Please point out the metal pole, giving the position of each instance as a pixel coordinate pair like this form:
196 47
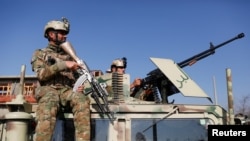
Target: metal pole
22 75
230 96
215 91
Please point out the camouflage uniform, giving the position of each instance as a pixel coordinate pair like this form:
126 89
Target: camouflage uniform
55 91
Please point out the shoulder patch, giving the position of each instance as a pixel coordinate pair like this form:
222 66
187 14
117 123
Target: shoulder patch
37 54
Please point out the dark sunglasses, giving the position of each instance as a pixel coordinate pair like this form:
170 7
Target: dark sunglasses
60 32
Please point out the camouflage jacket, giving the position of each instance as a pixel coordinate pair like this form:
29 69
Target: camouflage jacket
50 68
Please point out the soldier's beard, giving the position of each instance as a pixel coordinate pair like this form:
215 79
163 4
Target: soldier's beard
59 42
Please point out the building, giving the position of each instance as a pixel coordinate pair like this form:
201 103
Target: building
10 86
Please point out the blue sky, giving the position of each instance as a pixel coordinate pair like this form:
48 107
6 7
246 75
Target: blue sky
102 30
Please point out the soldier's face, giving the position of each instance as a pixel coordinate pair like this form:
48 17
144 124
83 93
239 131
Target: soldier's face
58 35
120 70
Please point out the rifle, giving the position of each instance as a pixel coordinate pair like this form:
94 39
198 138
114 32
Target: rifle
98 90
156 75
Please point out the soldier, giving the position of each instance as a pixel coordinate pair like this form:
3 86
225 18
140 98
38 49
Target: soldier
56 72
119 65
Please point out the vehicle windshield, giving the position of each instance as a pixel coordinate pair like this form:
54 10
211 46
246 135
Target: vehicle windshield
157 130
168 130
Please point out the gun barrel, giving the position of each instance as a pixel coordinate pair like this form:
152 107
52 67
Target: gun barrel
208 52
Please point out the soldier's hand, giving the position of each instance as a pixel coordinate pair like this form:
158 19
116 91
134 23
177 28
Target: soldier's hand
72 65
136 83
80 89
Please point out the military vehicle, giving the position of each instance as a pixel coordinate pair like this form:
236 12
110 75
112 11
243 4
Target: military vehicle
117 116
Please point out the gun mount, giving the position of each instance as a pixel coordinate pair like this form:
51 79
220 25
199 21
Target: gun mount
156 78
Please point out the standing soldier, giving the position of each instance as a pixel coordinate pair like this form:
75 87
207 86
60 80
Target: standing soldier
56 72
119 66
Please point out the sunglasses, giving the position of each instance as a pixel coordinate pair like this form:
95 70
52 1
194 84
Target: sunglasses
60 32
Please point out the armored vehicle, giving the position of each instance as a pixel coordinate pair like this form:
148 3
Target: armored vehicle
119 115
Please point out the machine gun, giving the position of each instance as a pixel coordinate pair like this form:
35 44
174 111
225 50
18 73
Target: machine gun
98 90
156 76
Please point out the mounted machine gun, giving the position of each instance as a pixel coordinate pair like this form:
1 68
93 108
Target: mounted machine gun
155 78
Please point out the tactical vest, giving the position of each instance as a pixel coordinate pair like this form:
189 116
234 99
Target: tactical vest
62 78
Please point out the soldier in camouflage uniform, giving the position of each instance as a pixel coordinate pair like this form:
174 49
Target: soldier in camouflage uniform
119 65
56 72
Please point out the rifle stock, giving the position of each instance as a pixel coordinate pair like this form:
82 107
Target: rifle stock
98 91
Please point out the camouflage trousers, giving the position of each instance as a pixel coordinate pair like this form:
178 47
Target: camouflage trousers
49 101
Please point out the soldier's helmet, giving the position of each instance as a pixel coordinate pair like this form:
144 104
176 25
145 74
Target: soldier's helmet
121 62
57 25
